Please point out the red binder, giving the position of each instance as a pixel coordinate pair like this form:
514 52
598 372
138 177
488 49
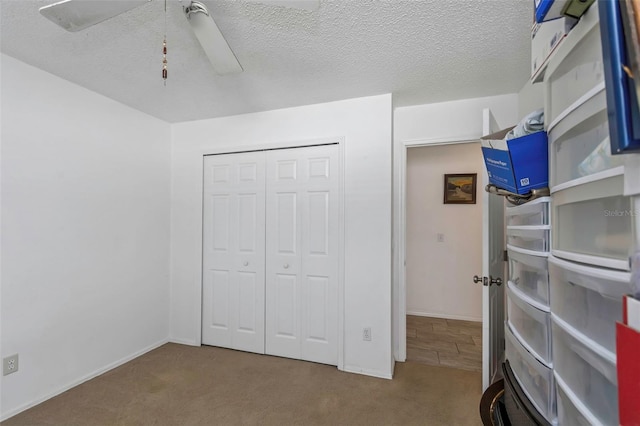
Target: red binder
628 360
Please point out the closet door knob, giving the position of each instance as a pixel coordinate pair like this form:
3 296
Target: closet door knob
245 263
286 266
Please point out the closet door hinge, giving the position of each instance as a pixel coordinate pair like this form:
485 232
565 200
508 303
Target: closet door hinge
505 256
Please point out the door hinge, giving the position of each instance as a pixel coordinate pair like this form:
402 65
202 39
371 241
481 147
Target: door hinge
505 256
503 345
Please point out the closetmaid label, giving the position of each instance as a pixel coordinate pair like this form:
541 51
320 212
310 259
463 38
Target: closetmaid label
498 163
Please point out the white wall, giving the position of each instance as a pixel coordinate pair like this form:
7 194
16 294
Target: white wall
438 273
428 124
85 233
365 125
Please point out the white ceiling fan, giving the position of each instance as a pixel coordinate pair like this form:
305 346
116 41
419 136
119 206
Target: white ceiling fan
76 15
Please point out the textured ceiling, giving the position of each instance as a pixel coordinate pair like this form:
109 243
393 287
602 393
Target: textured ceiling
421 51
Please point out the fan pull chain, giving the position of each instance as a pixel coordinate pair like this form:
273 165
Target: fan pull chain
164 46
164 60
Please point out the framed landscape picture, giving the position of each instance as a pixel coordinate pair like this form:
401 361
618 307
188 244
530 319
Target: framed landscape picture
460 188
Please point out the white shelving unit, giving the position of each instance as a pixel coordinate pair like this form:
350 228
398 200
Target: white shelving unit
563 305
593 230
528 326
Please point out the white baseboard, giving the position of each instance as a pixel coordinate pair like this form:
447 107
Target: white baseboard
81 380
447 316
367 372
184 342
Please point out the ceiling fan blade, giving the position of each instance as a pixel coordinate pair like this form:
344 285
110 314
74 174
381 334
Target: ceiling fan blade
310 5
76 15
220 55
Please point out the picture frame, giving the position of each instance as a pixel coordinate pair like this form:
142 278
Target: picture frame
460 188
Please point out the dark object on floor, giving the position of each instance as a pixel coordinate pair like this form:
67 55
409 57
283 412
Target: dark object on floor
500 416
490 402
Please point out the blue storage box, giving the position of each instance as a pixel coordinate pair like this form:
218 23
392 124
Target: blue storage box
547 10
517 165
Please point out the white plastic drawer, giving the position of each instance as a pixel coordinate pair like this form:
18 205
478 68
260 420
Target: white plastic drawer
571 411
530 325
587 370
533 213
530 275
535 379
531 238
593 223
580 142
575 68
589 299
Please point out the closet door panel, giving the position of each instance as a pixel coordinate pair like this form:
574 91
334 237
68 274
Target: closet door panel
320 254
302 226
233 251
282 254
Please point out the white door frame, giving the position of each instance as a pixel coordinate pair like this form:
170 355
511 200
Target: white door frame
231 149
400 207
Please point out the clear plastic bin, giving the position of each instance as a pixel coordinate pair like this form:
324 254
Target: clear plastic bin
594 220
533 213
530 325
588 371
531 238
580 142
575 68
568 412
589 299
535 379
530 275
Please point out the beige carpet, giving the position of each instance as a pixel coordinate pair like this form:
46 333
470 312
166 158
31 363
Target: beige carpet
182 385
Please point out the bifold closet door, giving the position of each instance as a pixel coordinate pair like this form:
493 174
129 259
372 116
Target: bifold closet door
302 255
234 251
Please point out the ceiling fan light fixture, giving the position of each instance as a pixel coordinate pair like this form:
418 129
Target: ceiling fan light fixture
211 39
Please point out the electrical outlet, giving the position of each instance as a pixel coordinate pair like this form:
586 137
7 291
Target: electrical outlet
366 334
9 365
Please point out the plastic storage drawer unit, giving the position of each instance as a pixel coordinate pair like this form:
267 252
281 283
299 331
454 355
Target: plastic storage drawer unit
533 213
580 142
570 410
535 378
587 370
531 238
530 274
589 299
575 68
593 223
530 325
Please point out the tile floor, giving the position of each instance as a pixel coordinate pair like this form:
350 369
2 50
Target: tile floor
439 341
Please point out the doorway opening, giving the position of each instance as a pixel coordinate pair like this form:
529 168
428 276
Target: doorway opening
443 251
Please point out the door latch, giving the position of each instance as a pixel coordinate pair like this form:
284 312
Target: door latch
487 281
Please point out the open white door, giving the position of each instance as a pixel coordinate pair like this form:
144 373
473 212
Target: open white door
492 273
